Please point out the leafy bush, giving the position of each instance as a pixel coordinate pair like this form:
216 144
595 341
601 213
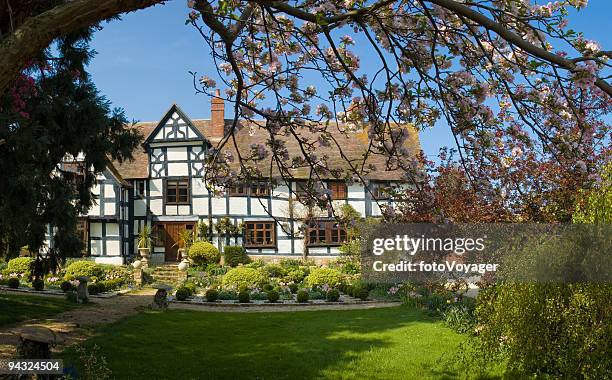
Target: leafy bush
110 285
20 265
362 293
212 295
182 293
235 255
333 295
267 287
273 296
460 318
274 270
290 263
66 286
348 290
227 295
190 286
259 263
84 268
243 277
302 296
38 284
13 283
547 330
322 276
204 253
296 274
317 294
94 288
244 297
293 288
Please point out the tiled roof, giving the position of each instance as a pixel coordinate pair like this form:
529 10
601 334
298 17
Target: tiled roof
352 144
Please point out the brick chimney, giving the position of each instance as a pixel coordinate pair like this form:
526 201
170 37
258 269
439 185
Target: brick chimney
217 116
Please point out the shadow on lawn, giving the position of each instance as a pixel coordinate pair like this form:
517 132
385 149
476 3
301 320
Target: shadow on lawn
296 345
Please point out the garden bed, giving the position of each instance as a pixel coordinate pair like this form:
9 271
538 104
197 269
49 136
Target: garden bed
58 292
344 300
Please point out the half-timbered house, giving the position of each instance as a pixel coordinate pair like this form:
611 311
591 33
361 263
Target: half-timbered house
164 187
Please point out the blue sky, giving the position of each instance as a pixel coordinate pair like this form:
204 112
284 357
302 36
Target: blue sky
144 60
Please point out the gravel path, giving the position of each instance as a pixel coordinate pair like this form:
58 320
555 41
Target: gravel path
75 325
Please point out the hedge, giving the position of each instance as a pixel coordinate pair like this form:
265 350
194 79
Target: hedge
84 268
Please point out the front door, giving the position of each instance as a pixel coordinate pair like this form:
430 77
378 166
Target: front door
171 232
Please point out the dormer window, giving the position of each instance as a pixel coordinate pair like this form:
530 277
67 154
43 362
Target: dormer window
338 190
380 190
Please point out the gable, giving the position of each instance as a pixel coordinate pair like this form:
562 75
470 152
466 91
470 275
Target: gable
175 126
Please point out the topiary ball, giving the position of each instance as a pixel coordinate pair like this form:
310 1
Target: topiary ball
94 288
66 286
204 253
273 296
13 283
267 287
182 293
333 295
191 287
38 284
212 295
348 290
302 296
362 293
244 297
293 288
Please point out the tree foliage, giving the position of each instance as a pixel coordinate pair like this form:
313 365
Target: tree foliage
55 112
523 95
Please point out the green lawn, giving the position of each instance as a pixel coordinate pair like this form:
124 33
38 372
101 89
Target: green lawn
393 343
15 308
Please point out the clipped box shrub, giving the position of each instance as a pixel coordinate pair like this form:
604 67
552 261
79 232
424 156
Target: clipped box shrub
190 286
212 295
302 296
267 287
182 293
20 265
362 293
322 276
293 288
94 288
204 253
333 295
84 268
38 284
110 285
235 255
13 283
273 296
244 297
243 277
